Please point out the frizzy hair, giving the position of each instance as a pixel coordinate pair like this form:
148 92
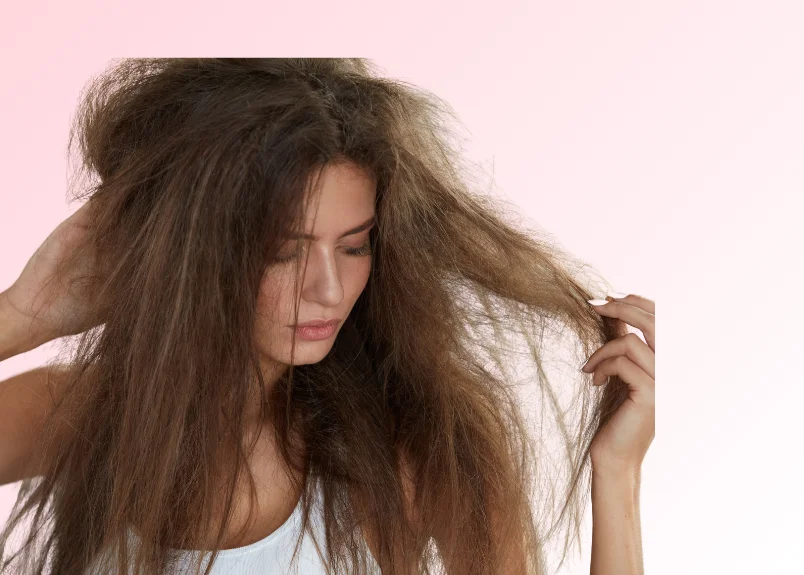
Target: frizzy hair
196 168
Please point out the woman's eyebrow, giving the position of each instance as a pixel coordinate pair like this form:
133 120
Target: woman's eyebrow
365 225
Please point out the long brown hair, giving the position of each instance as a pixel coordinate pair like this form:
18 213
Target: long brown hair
197 168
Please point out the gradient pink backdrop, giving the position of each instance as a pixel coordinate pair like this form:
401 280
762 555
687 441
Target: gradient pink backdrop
661 144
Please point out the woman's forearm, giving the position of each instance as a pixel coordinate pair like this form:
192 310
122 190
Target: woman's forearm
616 530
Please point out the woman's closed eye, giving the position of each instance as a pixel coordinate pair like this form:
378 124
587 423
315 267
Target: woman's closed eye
364 250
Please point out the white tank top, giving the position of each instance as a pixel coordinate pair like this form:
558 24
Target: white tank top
272 554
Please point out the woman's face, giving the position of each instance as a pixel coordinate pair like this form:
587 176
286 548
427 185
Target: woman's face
337 269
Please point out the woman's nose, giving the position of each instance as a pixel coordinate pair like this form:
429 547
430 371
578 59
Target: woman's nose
322 280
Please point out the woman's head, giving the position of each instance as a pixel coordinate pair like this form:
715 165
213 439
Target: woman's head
202 171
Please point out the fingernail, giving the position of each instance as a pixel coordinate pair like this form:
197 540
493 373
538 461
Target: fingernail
618 295
597 301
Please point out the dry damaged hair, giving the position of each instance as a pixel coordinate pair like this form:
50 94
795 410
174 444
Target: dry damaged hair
198 168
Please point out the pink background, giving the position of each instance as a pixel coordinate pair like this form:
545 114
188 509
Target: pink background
661 144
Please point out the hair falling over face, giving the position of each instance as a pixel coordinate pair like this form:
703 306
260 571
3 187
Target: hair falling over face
197 169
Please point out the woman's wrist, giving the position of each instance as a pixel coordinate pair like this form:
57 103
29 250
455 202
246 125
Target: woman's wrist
616 471
15 332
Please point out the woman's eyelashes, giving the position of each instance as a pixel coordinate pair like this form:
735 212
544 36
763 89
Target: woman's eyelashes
364 250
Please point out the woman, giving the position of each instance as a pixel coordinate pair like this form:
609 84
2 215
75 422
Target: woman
194 427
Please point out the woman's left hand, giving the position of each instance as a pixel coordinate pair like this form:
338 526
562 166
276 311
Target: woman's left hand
622 443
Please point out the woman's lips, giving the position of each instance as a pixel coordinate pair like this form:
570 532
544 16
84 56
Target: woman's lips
313 333
319 322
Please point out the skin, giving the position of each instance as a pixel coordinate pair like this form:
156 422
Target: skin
334 278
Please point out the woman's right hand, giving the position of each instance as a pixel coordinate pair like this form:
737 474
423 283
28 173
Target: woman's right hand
54 304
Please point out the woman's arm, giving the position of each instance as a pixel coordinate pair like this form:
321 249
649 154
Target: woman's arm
616 531
620 446
25 400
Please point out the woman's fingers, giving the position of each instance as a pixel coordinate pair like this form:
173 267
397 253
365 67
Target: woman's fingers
632 375
639 301
630 346
633 310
